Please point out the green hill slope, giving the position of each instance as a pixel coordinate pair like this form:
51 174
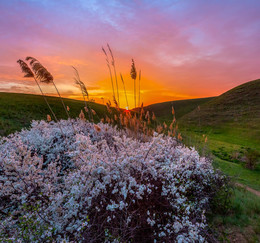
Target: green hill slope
233 116
239 105
229 123
181 107
18 110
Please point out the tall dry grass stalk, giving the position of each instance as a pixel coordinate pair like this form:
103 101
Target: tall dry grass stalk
139 98
110 72
28 73
44 76
114 67
125 91
84 92
133 76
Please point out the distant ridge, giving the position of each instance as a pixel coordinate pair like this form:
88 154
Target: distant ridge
240 105
181 107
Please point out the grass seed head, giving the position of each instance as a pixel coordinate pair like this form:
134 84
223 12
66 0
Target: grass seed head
93 112
40 71
133 70
153 117
82 116
25 69
48 118
173 112
97 128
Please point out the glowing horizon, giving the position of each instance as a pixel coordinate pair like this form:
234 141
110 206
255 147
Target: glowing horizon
190 49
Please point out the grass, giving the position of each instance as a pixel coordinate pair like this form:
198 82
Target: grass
242 222
230 123
181 107
227 150
18 110
238 106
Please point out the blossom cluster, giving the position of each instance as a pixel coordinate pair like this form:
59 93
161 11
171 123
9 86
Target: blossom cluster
100 185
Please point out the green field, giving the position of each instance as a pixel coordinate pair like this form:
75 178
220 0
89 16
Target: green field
18 110
181 107
231 124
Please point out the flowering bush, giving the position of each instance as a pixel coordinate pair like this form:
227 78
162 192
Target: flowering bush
100 185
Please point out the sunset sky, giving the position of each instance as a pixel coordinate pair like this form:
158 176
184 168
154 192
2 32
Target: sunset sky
185 48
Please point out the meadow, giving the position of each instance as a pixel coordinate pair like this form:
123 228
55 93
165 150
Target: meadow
227 129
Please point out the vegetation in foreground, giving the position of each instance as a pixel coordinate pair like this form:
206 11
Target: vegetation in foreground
102 185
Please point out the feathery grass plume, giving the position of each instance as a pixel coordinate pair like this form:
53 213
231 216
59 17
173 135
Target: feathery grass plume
44 76
149 121
159 129
108 105
48 118
28 73
84 92
153 117
133 76
116 104
173 112
114 67
93 112
97 128
147 115
110 72
40 71
124 90
25 69
165 125
171 126
82 116
139 98
142 111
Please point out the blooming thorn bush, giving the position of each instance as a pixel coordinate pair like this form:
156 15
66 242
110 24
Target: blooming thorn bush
100 185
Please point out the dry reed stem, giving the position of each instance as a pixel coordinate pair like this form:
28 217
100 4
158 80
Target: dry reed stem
124 90
139 99
114 67
133 76
29 73
84 92
110 72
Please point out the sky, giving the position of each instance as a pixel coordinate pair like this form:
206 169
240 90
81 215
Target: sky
184 48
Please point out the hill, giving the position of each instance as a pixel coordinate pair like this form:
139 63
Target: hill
229 123
181 107
18 110
239 105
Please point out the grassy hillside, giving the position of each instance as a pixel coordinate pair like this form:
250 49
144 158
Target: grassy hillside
18 110
233 117
226 128
182 107
231 124
239 105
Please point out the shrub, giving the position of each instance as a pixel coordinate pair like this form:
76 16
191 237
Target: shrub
100 185
251 157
